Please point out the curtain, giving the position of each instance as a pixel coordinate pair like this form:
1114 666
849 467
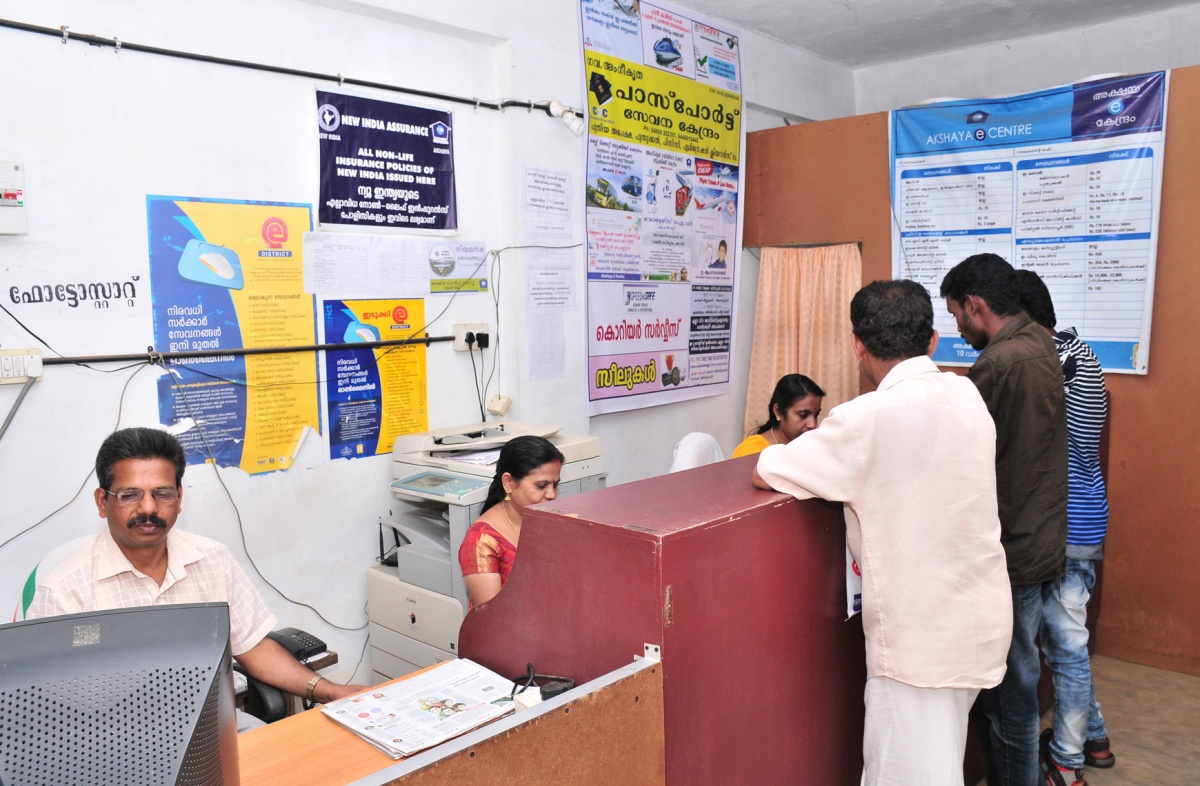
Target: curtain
802 324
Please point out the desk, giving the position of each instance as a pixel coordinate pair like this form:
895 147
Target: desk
611 725
308 749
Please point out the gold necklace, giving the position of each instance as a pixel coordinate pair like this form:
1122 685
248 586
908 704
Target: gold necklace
513 527
771 434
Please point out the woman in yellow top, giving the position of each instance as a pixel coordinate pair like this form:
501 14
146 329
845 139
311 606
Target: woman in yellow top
794 408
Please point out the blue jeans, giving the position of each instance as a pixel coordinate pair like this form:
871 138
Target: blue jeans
1011 708
1065 644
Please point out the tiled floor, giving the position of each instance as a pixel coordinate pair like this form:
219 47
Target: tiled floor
1153 719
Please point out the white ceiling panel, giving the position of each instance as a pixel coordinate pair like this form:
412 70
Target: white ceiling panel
859 33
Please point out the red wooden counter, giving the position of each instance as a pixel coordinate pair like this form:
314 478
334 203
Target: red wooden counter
743 590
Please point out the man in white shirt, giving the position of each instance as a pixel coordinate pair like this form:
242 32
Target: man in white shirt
914 464
139 560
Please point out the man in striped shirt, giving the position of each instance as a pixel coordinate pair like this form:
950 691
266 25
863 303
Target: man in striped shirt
1079 735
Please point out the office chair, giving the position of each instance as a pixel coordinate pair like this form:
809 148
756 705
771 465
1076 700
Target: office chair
266 702
263 701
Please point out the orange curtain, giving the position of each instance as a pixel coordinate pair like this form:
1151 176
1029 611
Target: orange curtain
802 324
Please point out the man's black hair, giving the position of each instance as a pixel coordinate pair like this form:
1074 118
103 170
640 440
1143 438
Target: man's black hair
893 319
138 443
1035 298
987 275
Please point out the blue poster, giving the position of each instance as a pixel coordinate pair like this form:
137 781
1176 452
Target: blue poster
385 164
1066 182
227 275
375 394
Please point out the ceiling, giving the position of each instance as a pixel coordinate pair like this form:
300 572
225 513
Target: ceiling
859 33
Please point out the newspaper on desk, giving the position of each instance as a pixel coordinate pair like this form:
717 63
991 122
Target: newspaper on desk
408 716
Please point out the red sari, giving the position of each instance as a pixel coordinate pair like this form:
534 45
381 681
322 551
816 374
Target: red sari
485 550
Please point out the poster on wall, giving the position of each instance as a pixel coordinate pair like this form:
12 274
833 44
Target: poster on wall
374 394
663 181
1066 182
228 274
352 264
385 165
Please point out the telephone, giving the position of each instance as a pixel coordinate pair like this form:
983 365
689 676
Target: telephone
302 645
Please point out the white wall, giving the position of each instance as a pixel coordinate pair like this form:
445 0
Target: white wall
98 131
1151 42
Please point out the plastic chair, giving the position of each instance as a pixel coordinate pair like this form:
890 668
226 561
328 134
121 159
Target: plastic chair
52 560
695 450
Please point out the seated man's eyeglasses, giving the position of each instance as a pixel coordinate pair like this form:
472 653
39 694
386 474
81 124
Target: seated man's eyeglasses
164 494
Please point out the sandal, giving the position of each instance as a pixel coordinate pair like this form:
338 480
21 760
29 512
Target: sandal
1052 773
1097 754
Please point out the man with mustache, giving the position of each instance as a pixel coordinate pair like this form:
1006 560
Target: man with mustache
141 560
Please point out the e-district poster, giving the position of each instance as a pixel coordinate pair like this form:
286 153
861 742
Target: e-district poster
374 394
228 274
1066 182
663 181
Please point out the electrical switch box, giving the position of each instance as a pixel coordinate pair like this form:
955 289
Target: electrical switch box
12 199
461 329
20 365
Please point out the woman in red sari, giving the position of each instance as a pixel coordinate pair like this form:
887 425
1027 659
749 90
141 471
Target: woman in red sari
527 472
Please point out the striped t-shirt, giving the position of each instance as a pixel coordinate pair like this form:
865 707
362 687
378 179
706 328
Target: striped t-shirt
1087 407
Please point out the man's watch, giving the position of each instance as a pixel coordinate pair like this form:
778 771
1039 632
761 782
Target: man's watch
312 684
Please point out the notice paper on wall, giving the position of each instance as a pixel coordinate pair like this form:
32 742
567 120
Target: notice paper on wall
1066 182
549 270
363 266
663 185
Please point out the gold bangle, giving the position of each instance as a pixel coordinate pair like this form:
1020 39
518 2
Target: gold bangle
312 684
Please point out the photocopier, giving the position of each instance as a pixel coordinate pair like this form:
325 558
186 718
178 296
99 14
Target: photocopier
417 600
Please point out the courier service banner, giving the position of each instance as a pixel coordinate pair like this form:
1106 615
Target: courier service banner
1066 182
663 165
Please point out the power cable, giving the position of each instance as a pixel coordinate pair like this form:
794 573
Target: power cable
59 359
496 299
52 514
478 391
238 513
12 412
65 35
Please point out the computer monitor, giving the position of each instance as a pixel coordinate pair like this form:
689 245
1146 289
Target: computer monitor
138 697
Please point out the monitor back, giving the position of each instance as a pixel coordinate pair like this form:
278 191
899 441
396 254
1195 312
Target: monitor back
138 697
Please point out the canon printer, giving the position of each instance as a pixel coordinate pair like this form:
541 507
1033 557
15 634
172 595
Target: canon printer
417 597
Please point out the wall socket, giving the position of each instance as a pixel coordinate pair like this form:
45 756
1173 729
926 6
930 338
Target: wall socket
461 329
498 404
18 365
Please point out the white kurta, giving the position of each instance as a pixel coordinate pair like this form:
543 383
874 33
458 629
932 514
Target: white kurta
914 463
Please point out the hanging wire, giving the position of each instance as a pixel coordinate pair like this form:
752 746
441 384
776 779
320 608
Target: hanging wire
118 45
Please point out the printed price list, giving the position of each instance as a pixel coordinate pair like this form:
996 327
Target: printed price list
1084 224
